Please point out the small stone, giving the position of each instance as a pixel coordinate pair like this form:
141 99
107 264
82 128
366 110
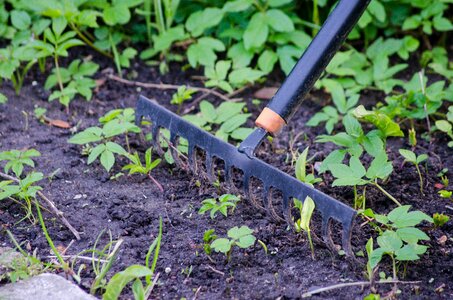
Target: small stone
44 286
167 270
34 83
78 196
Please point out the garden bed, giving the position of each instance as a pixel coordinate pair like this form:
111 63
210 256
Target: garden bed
130 206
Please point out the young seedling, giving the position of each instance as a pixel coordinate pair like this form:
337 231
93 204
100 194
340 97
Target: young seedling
303 223
181 95
416 160
17 159
440 219
301 170
355 174
208 237
136 166
241 237
220 204
399 237
445 194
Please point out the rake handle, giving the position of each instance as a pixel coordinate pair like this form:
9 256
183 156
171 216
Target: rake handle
310 66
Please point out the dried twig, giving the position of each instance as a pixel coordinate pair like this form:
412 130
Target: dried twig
52 206
80 257
216 271
358 283
196 293
148 292
165 86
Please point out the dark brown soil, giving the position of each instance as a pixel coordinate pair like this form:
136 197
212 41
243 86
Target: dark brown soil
130 207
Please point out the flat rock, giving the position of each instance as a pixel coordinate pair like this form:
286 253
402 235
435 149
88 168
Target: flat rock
43 287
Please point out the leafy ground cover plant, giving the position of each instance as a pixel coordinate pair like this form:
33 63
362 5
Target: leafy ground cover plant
306 209
446 125
440 220
208 237
411 157
115 123
355 174
182 94
241 237
227 117
16 160
220 204
399 239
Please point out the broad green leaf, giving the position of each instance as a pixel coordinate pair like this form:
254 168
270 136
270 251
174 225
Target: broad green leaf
199 21
444 126
380 167
237 5
408 155
301 163
389 241
267 60
334 157
257 30
279 21
307 211
116 14
208 111
246 241
238 232
376 257
89 135
244 75
240 56
95 153
121 279
411 235
380 120
20 19
221 245
107 160
410 252
234 123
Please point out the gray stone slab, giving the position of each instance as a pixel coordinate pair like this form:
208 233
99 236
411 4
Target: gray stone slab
43 287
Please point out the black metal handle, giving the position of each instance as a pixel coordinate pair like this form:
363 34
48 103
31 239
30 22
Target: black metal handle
316 57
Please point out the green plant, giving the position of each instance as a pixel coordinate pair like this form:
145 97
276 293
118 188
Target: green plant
399 238
114 123
355 174
76 76
56 44
25 190
217 75
446 125
303 223
17 159
208 237
136 166
227 117
431 15
332 115
416 160
440 219
134 273
445 193
181 95
301 172
220 204
241 237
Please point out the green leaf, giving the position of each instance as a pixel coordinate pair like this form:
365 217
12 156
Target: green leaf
203 52
107 160
376 257
115 148
240 56
337 92
389 241
380 167
257 30
267 60
221 245
3 99
238 232
89 135
410 252
20 19
279 21
402 218
121 279
444 126
334 157
245 75
408 155
411 235
301 163
95 153
246 241
380 120
237 5
307 211
116 14
278 3
58 26
199 21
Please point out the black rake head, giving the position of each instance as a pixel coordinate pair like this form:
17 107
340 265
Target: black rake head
272 180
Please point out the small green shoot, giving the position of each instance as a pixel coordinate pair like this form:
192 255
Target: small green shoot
208 237
241 237
445 194
416 160
220 204
181 95
136 166
303 223
440 219
301 172
3 99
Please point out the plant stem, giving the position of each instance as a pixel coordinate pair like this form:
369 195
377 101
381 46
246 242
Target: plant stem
115 55
63 264
386 193
355 197
311 245
156 182
420 178
57 67
87 41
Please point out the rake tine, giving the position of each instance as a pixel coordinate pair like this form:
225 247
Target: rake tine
271 209
227 169
191 158
209 169
286 209
155 129
346 238
326 232
173 147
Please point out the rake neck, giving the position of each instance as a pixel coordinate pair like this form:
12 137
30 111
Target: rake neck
312 63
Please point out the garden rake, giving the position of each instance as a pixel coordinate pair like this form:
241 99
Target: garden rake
271 120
